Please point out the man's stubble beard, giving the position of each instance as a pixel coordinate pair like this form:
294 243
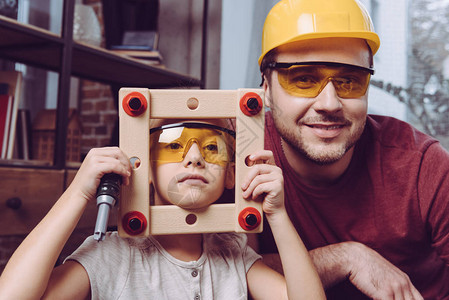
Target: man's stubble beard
325 153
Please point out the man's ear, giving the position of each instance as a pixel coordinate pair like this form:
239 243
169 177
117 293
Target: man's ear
266 90
230 176
152 189
150 177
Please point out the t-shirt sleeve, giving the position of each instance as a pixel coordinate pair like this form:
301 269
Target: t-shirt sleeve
100 259
433 193
249 255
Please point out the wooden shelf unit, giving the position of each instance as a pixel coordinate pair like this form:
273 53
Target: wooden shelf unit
43 49
40 48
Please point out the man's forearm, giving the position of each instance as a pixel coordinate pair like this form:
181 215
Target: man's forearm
332 262
366 269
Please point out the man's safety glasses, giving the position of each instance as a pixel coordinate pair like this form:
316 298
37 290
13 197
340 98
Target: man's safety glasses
308 79
171 143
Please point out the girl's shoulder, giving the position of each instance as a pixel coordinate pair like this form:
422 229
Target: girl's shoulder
225 240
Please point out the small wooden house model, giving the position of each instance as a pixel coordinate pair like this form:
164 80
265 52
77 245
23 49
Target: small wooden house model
44 130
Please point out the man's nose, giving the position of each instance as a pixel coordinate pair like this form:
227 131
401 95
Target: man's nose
328 99
194 157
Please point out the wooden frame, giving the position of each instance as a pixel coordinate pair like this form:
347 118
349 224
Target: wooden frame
136 216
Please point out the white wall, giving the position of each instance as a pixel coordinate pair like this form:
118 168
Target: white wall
391 60
241 32
180 31
236 28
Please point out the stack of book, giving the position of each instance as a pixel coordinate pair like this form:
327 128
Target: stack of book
152 57
10 82
141 45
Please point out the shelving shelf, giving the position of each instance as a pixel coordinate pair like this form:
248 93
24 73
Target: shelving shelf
40 48
43 49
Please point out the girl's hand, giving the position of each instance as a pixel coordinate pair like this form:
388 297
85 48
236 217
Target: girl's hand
266 180
98 162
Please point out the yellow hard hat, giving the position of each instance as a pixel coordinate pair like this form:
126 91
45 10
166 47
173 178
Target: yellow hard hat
297 20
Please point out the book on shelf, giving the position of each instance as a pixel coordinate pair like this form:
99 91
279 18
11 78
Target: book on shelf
133 48
142 54
23 132
141 45
151 62
4 88
10 86
6 103
148 39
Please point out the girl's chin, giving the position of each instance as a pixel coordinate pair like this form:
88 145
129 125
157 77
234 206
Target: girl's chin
188 201
197 203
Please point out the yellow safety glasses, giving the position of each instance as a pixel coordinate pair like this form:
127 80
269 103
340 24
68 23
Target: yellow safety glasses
170 143
308 79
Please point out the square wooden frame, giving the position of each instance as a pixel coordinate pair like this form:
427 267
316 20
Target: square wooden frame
135 142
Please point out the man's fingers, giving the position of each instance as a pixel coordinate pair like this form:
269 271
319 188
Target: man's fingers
379 279
416 295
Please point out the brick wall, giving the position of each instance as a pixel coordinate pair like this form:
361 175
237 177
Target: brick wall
98 110
98 115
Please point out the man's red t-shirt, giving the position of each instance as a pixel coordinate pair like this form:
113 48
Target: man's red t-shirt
394 198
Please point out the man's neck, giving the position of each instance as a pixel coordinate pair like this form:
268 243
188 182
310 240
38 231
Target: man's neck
313 173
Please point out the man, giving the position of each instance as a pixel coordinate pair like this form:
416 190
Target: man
368 194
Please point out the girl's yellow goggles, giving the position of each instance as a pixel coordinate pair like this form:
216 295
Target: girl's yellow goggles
170 143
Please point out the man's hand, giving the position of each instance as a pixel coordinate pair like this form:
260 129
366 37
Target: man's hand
366 269
378 278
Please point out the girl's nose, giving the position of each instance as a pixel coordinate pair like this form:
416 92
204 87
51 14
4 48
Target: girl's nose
194 157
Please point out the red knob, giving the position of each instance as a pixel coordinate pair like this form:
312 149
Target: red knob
134 104
134 222
251 104
249 218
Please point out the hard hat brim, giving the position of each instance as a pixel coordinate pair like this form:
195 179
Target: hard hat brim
371 38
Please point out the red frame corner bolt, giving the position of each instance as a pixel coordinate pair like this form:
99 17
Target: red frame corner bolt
134 222
251 104
134 104
249 218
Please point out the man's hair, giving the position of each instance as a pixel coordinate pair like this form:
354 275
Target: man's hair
267 59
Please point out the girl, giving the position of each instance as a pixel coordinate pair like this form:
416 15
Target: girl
191 166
